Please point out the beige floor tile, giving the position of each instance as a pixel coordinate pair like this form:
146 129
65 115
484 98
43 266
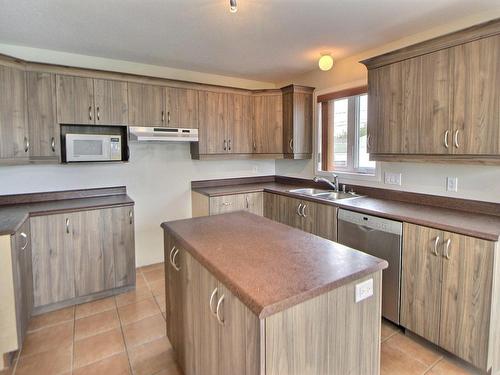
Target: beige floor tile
450 367
154 275
98 347
95 307
133 297
51 318
416 350
160 300
114 365
158 287
144 331
388 329
48 338
396 362
140 282
152 267
152 357
53 362
97 323
137 311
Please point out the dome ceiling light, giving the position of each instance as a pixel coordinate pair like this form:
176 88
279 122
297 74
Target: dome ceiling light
325 62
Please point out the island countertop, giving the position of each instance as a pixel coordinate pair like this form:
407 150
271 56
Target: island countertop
267 265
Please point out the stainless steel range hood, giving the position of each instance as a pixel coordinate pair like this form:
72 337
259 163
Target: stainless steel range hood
150 134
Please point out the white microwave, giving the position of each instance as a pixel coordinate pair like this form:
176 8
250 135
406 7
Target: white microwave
93 147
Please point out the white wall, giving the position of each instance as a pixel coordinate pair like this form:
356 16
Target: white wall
157 177
474 181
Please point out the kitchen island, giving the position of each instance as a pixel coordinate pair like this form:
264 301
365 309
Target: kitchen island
248 296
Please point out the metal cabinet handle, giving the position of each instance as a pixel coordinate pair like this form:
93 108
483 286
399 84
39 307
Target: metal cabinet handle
229 145
436 242
26 144
304 210
227 203
168 117
162 116
254 146
98 114
131 216
291 144
90 112
455 138
25 236
211 301
53 144
67 225
247 202
217 311
446 134
299 207
369 141
170 255
447 249
176 267
225 145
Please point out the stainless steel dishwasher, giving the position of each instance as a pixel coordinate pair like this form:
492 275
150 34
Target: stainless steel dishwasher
381 238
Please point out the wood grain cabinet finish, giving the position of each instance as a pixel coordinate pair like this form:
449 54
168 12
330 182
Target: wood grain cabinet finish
438 100
110 102
146 105
251 202
14 137
23 279
75 100
44 131
268 123
239 124
181 107
450 293
297 122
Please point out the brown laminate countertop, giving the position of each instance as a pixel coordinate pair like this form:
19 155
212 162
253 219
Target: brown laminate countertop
13 216
471 224
269 266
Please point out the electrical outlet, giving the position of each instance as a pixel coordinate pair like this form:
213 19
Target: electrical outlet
364 290
392 178
451 184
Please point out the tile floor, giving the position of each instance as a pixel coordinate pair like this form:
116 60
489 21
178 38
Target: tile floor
126 335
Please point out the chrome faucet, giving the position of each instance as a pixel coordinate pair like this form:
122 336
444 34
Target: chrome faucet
334 184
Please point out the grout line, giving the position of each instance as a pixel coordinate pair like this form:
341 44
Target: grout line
433 365
124 341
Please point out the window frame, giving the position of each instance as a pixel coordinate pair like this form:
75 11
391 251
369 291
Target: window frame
322 130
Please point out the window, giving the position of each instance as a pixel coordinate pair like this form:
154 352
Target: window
343 132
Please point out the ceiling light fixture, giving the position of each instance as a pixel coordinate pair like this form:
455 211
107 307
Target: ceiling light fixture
233 7
325 62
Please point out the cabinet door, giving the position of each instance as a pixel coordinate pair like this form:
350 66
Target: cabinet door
268 124
174 297
227 203
14 141
111 105
213 124
238 336
145 105
239 123
44 130
290 211
23 279
254 203
297 123
307 217
374 97
75 100
182 107
118 228
466 297
325 221
476 97
272 206
94 263
53 264
421 281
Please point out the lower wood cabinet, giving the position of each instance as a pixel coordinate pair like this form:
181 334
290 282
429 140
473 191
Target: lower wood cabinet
81 253
450 291
203 205
316 218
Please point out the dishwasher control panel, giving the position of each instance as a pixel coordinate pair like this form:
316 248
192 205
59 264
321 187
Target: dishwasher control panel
372 222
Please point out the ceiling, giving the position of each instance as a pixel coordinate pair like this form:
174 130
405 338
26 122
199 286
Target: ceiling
267 40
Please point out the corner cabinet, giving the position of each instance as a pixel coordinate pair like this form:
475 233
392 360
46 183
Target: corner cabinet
437 100
450 291
80 254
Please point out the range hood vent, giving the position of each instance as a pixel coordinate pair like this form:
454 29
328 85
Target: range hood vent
149 134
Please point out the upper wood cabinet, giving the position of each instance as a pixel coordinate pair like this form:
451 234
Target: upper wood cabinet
44 131
14 137
83 100
297 122
268 123
438 99
212 107
239 123
449 292
181 107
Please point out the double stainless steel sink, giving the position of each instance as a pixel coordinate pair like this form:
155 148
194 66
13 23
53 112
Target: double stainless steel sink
329 195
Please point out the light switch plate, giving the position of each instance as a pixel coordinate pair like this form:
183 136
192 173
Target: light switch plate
452 184
364 290
392 178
